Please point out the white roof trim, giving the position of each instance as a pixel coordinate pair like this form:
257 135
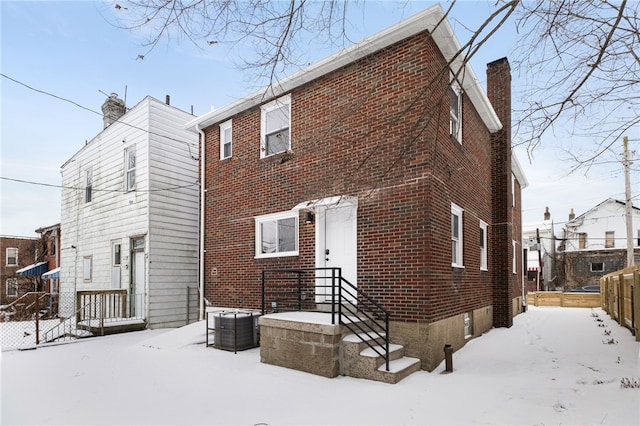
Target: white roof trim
443 36
338 200
516 169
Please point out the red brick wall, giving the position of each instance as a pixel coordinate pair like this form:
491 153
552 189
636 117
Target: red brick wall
378 129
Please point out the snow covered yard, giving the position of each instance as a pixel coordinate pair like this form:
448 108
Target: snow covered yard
554 366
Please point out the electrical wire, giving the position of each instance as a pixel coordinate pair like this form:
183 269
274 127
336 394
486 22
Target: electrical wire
171 188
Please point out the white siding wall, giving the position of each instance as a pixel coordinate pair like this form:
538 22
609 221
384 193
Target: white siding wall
173 217
609 216
115 215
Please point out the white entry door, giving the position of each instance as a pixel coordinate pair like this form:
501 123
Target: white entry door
336 245
138 279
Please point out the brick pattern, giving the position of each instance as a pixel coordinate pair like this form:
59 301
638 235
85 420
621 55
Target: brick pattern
377 129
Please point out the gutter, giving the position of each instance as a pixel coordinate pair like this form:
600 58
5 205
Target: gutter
202 205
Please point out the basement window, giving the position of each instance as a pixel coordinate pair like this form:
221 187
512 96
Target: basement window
597 266
468 325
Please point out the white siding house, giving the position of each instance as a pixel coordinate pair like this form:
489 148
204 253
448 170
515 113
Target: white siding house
130 214
595 243
538 240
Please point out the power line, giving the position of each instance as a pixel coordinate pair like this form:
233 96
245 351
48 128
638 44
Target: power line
172 188
100 114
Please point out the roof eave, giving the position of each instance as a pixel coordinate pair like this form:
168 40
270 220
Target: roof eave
431 19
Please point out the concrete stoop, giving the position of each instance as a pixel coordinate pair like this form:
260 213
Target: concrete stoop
359 360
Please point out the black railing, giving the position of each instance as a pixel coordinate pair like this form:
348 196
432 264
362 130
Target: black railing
311 289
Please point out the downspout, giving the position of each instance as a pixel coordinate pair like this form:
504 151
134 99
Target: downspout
202 205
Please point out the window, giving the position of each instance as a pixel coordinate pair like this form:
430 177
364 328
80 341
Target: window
53 247
638 241
582 240
609 239
455 111
456 236
515 258
86 268
275 126
513 189
130 169
117 256
597 267
225 140
12 286
468 325
483 246
277 234
88 185
12 256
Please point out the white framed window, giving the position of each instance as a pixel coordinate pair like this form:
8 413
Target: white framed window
597 267
275 123
456 236
12 287
514 263
117 254
609 239
130 169
11 256
86 268
483 246
513 189
226 137
88 185
455 110
277 234
468 324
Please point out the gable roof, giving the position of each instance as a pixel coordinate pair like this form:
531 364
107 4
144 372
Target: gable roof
575 221
431 19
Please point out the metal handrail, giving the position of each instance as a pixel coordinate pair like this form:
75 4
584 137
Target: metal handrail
370 318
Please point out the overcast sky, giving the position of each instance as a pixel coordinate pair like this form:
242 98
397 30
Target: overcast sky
74 51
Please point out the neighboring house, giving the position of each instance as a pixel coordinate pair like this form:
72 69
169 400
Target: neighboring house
595 243
130 213
18 253
539 241
386 162
50 242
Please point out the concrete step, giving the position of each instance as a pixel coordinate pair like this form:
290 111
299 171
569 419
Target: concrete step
358 359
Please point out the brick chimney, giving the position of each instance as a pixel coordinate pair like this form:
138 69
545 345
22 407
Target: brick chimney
572 215
547 215
112 109
502 232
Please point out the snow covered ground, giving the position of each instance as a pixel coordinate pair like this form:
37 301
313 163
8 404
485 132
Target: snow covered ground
555 366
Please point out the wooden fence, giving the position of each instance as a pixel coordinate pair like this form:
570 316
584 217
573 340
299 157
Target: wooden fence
566 300
620 293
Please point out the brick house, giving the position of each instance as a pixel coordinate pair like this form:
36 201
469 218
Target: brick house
387 160
17 253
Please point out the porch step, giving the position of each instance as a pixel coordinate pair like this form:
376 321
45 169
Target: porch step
360 360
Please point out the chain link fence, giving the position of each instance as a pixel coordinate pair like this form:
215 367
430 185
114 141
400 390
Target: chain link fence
37 317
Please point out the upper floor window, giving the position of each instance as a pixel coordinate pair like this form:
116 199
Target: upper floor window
12 287
513 189
609 239
88 186
514 255
277 234
456 236
582 240
12 256
455 111
225 140
275 123
483 246
130 169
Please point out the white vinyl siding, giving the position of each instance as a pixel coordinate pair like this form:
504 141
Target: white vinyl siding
163 209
